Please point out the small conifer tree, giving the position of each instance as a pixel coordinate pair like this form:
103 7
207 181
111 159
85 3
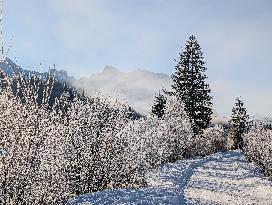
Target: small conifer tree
158 109
239 124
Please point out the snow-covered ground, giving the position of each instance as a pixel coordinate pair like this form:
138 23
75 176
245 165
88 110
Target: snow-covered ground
222 178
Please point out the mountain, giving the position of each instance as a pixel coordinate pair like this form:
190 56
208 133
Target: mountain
10 68
262 119
137 87
217 119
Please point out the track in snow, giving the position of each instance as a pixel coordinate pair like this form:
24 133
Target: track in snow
222 178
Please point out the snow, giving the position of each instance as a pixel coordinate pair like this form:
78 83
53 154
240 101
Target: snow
222 178
228 180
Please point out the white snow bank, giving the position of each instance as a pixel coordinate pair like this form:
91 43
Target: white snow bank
222 178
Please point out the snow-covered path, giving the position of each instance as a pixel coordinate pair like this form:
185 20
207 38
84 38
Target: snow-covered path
228 180
222 178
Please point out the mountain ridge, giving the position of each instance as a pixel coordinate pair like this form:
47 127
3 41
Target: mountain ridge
10 68
138 87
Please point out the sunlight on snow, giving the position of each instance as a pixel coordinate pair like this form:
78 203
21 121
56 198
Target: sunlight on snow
228 181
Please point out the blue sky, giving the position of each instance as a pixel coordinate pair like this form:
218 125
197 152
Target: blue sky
83 36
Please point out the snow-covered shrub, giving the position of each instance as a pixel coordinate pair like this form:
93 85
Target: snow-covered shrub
258 147
153 141
48 155
179 128
212 140
80 145
29 171
91 147
142 147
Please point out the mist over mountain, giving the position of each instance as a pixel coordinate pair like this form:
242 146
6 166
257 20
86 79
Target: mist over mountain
137 87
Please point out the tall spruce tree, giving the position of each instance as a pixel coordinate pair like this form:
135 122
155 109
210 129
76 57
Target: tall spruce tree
158 109
190 86
239 124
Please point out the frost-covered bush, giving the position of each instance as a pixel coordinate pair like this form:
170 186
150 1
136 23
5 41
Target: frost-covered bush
82 144
258 147
179 128
48 155
153 141
30 169
91 147
212 140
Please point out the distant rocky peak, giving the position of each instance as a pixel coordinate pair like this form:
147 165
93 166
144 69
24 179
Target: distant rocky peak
110 69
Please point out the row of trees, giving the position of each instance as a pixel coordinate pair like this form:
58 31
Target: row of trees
253 137
78 145
50 152
190 87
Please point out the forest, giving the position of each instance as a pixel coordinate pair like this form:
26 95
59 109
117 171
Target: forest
57 143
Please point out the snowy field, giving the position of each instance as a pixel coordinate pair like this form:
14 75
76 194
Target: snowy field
222 178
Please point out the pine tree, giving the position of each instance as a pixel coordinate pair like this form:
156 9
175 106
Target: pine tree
239 124
158 109
190 86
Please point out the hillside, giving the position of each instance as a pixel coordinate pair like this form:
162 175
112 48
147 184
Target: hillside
10 68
